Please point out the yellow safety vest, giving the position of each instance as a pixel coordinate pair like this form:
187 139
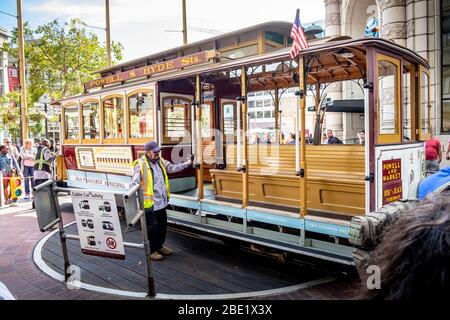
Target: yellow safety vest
147 180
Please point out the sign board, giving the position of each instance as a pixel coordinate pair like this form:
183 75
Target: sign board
45 98
13 78
105 159
98 224
392 180
165 66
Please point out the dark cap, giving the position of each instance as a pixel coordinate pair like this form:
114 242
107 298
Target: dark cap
152 146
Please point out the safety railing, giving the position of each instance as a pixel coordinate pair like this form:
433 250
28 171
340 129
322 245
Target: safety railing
48 213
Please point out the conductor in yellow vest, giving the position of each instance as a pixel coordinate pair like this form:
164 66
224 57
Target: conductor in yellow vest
150 171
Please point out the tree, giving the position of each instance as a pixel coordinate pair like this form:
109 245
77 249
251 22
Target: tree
59 58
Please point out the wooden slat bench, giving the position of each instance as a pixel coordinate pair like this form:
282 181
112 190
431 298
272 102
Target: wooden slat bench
335 177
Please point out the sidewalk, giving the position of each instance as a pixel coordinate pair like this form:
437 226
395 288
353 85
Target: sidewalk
18 235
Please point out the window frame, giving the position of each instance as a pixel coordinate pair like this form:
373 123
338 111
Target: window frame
423 136
102 124
64 124
187 115
82 104
128 118
397 137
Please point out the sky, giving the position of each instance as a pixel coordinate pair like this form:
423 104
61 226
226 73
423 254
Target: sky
140 25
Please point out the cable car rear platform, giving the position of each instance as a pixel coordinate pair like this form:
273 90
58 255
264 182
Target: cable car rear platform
201 267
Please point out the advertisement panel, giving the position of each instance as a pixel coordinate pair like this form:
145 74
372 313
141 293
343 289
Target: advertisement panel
105 159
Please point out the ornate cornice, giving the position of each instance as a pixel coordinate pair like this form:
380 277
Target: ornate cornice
385 4
410 28
396 30
328 2
332 19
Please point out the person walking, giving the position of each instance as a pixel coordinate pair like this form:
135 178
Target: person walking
150 171
28 155
9 168
433 154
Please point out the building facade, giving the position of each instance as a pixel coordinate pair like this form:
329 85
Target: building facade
4 85
420 25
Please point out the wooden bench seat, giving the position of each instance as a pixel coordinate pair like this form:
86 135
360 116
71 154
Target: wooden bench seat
335 177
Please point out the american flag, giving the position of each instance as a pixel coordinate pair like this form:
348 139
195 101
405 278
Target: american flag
298 35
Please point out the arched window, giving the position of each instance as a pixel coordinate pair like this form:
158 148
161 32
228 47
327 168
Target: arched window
388 102
91 120
113 118
141 110
71 122
176 119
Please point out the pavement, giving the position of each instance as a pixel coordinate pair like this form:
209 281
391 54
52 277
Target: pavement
19 234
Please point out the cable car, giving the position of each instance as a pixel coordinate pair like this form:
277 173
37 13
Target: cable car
206 98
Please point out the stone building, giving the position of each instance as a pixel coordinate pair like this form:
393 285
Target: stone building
421 25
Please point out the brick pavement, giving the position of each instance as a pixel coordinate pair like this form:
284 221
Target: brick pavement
19 234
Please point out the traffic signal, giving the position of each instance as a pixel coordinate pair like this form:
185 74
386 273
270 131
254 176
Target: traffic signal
16 190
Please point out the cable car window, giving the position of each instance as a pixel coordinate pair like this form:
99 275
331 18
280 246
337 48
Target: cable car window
113 118
386 95
141 115
388 102
177 120
424 104
229 119
72 123
91 121
407 90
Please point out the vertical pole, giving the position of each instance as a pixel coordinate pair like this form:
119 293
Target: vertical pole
367 147
198 93
303 172
108 34
185 40
277 108
238 132
245 191
62 233
23 89
46 121
297 134
150 281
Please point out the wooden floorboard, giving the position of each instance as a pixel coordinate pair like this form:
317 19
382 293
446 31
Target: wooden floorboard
198 266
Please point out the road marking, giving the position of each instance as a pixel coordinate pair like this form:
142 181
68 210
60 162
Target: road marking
37 257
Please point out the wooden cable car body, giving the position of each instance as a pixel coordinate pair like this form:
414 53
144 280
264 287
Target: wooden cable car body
253 192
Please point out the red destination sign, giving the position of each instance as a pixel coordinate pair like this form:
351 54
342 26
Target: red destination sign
13 79
169 65
392 180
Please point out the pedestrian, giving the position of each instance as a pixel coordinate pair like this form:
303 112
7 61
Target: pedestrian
43 164
331 139
362 137
412 258
150 171
291 138
12 148
10 168
267 138
433 154
28 155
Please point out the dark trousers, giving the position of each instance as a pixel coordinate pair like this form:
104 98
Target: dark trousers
28 172
156 228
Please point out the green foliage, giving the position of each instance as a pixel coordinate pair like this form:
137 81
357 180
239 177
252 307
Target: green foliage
59 58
